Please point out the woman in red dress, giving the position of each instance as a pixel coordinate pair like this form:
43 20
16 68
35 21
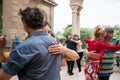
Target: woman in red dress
97 45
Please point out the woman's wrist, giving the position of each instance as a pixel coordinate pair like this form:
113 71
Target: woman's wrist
65 50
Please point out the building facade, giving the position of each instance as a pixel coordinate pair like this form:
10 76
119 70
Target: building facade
11 23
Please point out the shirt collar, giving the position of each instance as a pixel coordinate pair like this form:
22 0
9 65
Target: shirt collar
37 33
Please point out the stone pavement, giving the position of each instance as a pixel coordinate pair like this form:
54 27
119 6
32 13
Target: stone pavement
65 76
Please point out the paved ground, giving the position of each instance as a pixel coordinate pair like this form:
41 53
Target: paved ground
65 76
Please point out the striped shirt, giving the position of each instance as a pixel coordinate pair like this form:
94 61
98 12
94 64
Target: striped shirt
107 64
106 67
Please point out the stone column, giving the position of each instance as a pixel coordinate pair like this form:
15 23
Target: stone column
78 20
76 6
7 20
74 19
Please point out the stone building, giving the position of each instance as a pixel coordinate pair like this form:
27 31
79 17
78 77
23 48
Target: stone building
11 23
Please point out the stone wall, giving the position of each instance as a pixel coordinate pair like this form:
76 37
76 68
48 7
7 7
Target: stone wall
12 24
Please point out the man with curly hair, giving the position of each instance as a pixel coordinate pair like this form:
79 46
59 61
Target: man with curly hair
31 60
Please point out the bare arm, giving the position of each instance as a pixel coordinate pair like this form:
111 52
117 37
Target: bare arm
78 42
75 41
4 75
2 57
2 45
59 48
71 53
91 54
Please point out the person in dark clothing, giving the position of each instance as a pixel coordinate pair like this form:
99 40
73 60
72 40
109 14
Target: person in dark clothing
79 50
70 63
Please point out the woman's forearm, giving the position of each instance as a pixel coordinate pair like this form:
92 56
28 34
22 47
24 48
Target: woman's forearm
59 48
71 53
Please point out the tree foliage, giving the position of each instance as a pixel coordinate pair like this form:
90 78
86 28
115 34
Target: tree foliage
67 30
85 33
117 31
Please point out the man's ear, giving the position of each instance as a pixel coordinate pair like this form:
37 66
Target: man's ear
25 26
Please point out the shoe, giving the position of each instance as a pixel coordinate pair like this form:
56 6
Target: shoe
79 74
0 65
68 71
71 73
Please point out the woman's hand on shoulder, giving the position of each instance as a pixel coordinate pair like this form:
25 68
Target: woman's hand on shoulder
56 49
91 54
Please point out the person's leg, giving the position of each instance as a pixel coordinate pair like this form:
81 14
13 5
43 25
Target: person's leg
72 66
104 77
68 66
79 61
0 65
78 64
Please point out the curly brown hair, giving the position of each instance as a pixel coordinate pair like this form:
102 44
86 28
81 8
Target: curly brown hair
33 17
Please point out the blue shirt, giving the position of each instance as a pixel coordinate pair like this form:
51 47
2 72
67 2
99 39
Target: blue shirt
32 61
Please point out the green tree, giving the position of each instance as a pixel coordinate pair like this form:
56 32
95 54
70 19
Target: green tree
59 34
117 31
85 33
67 30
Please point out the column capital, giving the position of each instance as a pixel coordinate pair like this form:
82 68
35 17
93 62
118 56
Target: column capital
78 11
79 2
74 8
76 4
